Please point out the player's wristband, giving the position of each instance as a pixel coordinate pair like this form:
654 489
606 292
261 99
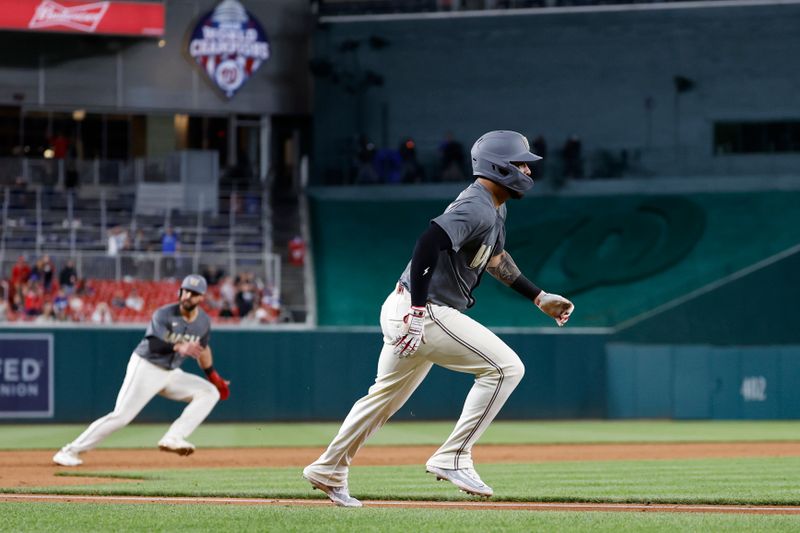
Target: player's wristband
525 287
210 370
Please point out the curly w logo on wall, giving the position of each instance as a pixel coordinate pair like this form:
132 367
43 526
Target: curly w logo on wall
610 248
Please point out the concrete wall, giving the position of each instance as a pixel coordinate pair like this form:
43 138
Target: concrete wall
103 73
557 73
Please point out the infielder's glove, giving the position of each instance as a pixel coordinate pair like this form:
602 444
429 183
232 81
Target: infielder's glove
414 334
555 306
221 384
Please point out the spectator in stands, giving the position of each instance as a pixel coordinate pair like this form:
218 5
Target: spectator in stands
43 272
68 277
297 251
271 303
134 301
20 273
117 241
226 311
48 314
76 307
262 315
365 168
213 274
34 298
118 300
16 303
61 305
227 290
412 171
245 294
59 144
452 159
170 244
388 165
571 154
102 314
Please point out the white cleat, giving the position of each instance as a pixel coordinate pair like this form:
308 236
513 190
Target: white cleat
176 445
466 479
67 457
338 495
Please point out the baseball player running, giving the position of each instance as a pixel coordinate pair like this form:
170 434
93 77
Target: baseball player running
423 323
176 331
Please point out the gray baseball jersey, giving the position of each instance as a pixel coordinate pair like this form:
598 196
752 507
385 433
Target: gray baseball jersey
168 325
477 231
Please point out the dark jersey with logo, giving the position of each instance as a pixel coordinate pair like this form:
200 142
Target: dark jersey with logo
477 231
168 325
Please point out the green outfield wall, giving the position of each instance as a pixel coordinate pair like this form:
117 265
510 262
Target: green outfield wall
314 375
701 381
617 257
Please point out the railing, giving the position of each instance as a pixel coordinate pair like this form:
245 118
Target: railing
35 221
153 265
67 173
372 7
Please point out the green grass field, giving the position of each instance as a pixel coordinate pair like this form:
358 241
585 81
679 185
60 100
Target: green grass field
741 481
47 436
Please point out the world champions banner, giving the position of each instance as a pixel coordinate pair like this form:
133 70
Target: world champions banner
229 45
26 375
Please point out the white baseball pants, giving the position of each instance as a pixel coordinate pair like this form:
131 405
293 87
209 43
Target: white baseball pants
143 380
454 341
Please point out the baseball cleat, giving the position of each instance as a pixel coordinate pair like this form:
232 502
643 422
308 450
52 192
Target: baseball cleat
176 445
466 479
338 495
66 457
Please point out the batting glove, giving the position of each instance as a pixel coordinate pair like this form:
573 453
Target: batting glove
555 306
409 342
221 384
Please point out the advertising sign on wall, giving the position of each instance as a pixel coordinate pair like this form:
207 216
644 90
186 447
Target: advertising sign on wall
229 44
71 16
26 375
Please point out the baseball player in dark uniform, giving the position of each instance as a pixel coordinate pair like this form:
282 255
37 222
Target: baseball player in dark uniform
176 332
423 322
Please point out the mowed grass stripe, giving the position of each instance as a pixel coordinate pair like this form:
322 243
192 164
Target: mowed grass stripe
761 481
67 518
49 436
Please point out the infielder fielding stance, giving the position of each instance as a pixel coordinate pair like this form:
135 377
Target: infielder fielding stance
422 317
176 331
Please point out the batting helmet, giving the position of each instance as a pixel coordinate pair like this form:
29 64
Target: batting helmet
194 283
494 155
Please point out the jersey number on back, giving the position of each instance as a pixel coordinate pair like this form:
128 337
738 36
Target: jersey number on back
482 257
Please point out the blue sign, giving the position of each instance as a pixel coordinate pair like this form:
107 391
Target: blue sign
229 44
26 375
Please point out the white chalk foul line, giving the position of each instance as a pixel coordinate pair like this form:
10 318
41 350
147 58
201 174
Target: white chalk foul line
532 506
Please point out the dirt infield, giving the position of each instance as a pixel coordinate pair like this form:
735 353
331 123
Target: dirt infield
19 469
29 468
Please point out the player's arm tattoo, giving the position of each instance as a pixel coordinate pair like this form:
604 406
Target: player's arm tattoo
503 267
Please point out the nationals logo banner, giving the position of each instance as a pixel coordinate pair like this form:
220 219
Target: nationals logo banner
70 16
229 44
